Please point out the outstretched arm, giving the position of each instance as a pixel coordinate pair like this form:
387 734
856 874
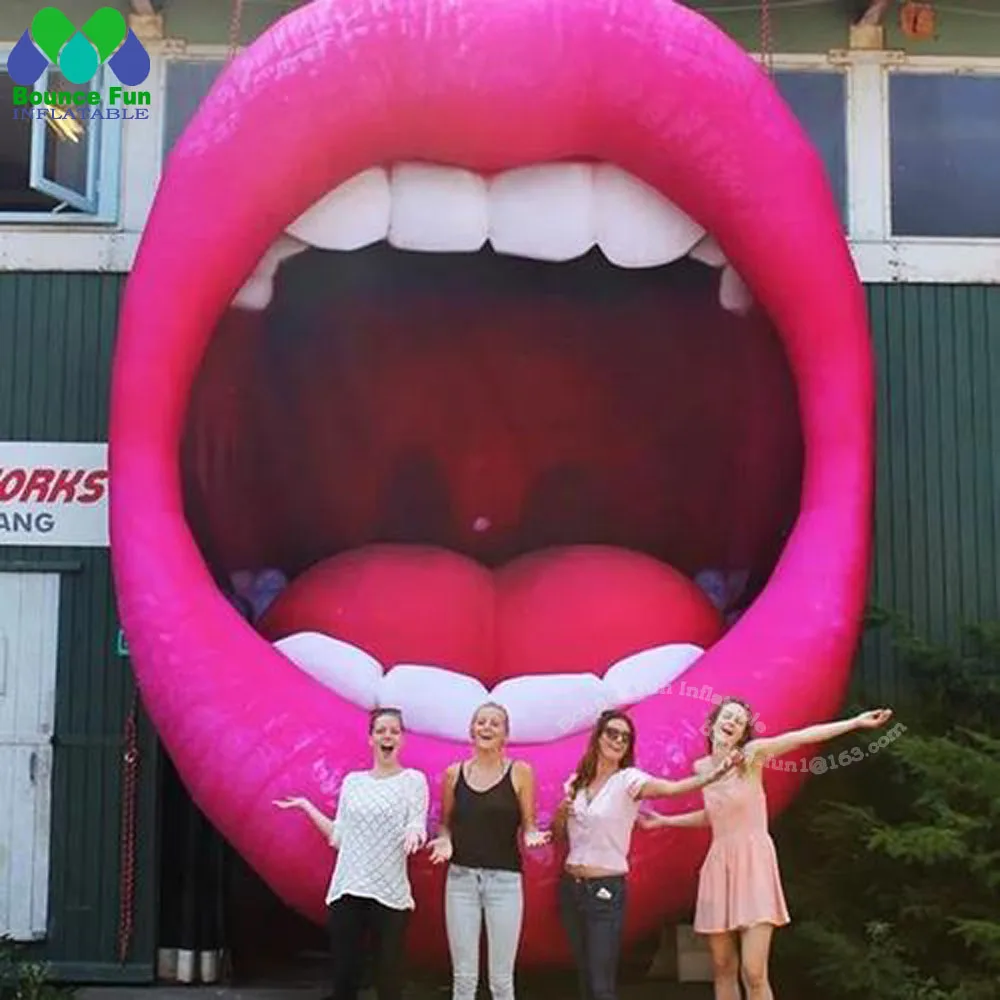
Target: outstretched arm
777 746
660 788
324 824
651 821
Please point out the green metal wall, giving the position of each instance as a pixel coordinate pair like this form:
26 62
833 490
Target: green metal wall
936 552
56 334
937 515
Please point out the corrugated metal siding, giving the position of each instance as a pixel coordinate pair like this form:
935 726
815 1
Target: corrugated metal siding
937 537
56 337
936 549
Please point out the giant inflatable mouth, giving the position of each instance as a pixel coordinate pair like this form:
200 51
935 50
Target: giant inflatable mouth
485 473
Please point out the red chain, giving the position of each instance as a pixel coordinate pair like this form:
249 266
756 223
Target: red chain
126 890
235 20
766 37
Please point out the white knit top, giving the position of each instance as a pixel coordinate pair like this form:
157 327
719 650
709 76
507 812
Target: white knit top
373 816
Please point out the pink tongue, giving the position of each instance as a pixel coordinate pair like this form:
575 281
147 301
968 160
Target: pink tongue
564 610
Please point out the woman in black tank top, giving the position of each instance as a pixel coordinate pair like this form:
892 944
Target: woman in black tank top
484 802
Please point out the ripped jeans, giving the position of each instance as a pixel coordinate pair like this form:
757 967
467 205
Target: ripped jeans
469 893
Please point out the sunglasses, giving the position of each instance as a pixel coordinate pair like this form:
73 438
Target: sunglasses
617 734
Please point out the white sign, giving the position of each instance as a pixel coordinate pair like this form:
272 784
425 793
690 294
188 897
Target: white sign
53 493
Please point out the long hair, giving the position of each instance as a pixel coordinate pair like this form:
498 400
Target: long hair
713 716
587 768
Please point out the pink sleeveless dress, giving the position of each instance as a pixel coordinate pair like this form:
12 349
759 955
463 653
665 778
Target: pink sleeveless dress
740 884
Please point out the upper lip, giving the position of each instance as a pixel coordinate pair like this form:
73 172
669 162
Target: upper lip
794 260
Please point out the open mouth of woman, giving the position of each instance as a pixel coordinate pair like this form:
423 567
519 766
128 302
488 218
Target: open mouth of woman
547 384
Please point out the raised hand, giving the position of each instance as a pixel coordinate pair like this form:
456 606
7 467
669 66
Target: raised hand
537 838
651 821
440 848
295 802
731 760
412 841
873 719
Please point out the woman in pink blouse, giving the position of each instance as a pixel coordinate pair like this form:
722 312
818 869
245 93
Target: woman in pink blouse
597 816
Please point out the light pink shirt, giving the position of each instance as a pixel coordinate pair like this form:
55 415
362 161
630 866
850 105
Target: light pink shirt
600 831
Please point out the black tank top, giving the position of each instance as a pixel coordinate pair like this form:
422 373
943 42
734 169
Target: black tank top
484 825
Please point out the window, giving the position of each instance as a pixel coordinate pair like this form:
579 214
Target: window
944 140
56 168
188 81
819 101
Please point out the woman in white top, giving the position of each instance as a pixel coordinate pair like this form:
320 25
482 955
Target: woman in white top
381 819
597 816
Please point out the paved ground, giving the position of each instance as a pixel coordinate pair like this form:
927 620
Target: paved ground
650 990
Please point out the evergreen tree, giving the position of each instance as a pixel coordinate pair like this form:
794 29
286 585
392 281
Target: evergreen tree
892 864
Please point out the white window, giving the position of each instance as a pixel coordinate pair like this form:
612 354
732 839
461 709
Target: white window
944 146
818 97
55 168
188 82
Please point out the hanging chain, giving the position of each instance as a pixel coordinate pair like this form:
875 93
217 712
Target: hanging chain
766 37
235 23
126 892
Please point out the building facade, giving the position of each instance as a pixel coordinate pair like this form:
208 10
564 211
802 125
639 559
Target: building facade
909 129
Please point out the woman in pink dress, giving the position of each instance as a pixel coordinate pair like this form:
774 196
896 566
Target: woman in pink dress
740 899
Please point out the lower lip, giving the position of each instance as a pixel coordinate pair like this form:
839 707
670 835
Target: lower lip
202 672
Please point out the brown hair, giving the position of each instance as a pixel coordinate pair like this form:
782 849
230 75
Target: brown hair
717 711
587 768
376 713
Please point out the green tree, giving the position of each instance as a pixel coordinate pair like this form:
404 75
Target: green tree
892 864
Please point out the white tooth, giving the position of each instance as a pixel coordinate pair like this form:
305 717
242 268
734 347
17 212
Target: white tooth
733 292
437 208
343 668
644 674
433 701
545 707
545 212
256 293
353 215
635 225
708 252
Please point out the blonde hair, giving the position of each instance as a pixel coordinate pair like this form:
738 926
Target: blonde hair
496 706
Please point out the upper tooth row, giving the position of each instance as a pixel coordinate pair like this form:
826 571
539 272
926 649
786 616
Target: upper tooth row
440 702
548 211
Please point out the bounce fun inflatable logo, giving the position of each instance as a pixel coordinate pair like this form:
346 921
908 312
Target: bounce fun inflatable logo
54 40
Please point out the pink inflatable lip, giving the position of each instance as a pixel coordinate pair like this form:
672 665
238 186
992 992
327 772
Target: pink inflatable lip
334 88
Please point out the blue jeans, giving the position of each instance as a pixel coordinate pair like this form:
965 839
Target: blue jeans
593 913
468 894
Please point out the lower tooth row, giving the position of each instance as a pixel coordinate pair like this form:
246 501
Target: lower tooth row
439 702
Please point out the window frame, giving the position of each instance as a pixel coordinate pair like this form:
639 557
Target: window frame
880 257
104 171
189 54
821 65
983 68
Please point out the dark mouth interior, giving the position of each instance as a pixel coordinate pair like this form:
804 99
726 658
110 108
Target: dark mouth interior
492 406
